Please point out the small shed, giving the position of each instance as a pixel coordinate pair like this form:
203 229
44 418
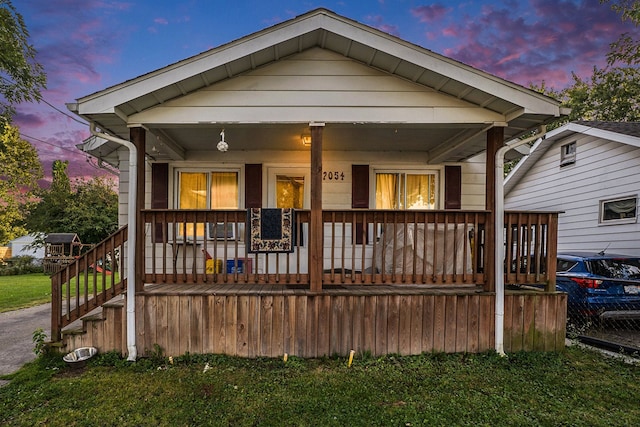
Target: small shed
60 249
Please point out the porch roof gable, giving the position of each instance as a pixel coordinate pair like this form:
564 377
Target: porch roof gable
522 109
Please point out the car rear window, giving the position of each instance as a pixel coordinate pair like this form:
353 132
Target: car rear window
628 268
564 264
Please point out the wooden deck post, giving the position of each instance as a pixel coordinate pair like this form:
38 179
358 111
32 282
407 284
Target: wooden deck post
495 139
316 241
137 137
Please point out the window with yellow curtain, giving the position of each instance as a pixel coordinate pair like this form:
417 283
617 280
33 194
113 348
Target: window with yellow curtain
199 190
224 190
397 190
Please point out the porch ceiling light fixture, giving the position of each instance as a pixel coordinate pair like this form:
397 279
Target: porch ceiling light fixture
222 145
305 138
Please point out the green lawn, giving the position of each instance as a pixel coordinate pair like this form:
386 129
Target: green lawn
573 388
24 290
27 290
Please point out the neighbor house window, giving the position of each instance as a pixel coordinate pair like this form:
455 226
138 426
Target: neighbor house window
405 190
568 154
622 210
207 190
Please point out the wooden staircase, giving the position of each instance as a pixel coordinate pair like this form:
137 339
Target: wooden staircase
103 328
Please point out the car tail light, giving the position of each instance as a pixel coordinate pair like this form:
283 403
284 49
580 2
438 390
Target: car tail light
587 283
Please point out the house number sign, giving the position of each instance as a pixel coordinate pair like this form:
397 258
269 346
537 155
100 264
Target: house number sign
332 175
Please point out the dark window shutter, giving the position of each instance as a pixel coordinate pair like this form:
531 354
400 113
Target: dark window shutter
359 194
452 187
159 193
360 186
253 185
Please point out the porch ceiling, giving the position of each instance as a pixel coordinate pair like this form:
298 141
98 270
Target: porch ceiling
521 108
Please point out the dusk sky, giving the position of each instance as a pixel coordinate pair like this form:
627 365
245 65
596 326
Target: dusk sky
88 45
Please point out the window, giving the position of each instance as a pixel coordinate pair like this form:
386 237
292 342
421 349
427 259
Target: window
564 265
404 190
568 154
289 191
207 190
621 210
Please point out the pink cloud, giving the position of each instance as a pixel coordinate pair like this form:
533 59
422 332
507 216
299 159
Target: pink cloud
161 21
377 21
430 13
547 41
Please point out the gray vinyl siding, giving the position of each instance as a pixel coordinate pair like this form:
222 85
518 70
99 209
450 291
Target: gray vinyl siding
603 170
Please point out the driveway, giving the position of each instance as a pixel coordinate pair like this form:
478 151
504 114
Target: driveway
16 332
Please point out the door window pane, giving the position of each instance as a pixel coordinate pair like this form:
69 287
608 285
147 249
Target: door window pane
289 191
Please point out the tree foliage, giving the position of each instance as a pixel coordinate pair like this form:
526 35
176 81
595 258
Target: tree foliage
21 77
89 209
626 49
20 170
610 94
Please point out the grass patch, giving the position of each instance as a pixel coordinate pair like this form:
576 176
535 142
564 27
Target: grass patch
575 387
28 290
24 290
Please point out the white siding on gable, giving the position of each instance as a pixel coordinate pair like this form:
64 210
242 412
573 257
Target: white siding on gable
319 84
603 169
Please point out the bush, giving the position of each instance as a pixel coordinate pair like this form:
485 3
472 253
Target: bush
20 265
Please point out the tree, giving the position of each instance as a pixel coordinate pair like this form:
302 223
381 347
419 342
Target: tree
610 94
89 210
20 170
48 214
21 77
93 211
626 49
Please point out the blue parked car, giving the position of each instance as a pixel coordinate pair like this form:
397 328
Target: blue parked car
599 286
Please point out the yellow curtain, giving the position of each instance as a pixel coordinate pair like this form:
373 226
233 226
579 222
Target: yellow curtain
224 190
193 190
289 191
193 195
386 191
421 192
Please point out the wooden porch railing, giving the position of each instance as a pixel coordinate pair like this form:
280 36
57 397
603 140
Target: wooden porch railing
531 243
88 282
360 247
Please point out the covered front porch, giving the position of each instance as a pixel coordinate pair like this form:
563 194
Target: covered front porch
376 295
393 153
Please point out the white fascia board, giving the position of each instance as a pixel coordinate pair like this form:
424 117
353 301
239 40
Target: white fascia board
106 100
634 141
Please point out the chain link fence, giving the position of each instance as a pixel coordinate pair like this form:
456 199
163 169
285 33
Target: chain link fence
603 305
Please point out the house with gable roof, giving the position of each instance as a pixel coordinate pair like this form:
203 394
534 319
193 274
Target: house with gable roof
314 188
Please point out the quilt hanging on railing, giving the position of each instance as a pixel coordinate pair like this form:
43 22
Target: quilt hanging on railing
271 230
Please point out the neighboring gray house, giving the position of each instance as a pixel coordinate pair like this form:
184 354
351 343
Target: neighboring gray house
591 171
21 246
